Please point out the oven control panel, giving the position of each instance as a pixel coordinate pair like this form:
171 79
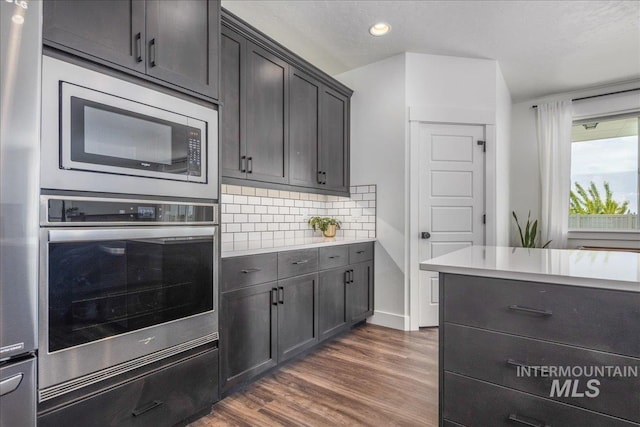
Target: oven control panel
194 150
89 211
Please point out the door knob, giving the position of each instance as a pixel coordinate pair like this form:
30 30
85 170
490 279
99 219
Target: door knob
425 235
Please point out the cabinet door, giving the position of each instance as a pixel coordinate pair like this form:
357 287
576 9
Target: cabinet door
304 130
110 30
297 315
248 333
334 140
233 112
267 116
360 291
182 43
332 302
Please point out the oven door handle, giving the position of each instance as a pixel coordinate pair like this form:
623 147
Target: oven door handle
102 234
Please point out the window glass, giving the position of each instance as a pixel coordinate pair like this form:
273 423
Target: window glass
604 175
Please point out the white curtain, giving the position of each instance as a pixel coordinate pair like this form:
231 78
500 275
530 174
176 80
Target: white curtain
554 153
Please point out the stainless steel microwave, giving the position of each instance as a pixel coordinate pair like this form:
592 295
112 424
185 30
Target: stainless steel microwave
104 134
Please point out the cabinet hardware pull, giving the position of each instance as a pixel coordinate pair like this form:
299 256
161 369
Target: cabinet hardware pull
334 256
138 52
250 270
324 179
249 164
146 408
243 166
302 261
281 294
527 421
346 277
350 276
152 52
518 364
530 310
274 296
319 177
360 252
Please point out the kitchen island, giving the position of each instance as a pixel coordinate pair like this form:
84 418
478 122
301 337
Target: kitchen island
539 337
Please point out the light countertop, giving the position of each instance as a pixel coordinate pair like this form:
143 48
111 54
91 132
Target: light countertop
231 249
597 269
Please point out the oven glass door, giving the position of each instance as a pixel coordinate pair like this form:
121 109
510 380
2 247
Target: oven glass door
102 285
106 133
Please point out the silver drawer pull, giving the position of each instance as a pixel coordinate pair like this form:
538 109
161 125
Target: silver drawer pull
250 270
146 408
303 261
525 421
530 310
360 252
334 256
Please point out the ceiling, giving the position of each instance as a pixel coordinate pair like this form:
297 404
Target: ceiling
543 47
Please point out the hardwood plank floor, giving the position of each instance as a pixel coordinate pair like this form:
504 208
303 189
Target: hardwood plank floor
371 376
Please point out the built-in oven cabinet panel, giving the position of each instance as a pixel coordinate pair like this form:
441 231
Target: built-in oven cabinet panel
170 42
163 398
114 173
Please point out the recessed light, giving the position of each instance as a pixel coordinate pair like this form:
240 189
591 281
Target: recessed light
379 29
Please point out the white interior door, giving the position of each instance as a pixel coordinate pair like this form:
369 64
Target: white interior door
451 201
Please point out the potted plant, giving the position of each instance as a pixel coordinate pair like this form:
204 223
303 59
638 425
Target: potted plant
530 234
325 224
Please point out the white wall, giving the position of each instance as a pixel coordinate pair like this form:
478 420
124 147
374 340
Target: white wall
525 173
383 94
378 118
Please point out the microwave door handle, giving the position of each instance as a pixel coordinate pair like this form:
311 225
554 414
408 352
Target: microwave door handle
103 234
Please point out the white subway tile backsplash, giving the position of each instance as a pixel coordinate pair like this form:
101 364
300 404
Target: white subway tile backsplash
255 216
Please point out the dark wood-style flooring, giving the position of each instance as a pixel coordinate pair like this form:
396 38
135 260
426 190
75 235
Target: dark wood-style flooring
370 376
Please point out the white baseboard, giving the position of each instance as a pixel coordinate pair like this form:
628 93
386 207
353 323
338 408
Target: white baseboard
389 320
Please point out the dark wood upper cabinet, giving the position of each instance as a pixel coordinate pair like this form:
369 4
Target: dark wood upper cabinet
267 107
182 43
111 30
304 130
285 124
232 95
171 42
334 140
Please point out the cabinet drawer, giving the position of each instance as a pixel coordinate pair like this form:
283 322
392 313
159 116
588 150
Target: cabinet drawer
592 318
494 356
333 256
296 263
238 272
163 398
360 252
476 403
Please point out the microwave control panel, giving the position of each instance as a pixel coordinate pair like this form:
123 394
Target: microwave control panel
194 152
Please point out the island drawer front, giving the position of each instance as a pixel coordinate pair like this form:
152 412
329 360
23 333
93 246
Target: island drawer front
586 317
474 403
360 252
494 357
333 256
297 263
238 272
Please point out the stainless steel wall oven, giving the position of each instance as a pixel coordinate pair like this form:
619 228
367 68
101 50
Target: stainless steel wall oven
123 283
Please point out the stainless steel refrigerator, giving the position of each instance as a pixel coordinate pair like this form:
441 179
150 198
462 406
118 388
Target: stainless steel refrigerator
20 64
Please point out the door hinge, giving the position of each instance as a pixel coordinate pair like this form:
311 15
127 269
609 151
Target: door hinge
484 218
484 145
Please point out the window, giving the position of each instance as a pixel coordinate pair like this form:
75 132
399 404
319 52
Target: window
605 174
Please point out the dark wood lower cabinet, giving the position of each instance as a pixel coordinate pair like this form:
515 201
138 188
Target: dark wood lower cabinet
266 324
248 333
297 319
360 291
332 313
165 397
